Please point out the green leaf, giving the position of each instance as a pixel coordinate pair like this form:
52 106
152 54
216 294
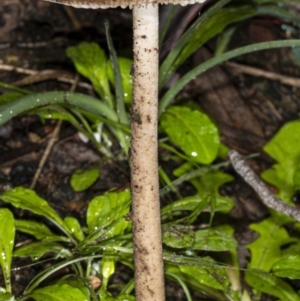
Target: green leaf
8 97
288 267
223 204
213 26
265 250
105 209
83 179
178 236
38 230
210 275
27 199
127 79
36 250
74 227
193 132
58 292
213 240
7 239
6 297
270 284
284 147
90 61
78 282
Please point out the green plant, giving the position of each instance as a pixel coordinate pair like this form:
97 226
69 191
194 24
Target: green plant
79 247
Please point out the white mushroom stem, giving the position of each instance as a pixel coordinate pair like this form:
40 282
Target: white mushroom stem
148 261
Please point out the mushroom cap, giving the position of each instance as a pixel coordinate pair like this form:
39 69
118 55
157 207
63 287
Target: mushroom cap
122 3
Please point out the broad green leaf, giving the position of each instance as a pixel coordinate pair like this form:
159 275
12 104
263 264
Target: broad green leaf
58 292
265 250
74 227
288 267
7 239
36 250
270 284
27 199
284 147
78 282
223 204
90 61
127 79
178 236
105 209
193 132
212 276
6 297
213 240
36 229
83 179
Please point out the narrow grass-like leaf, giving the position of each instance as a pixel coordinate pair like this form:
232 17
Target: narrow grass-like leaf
7 239
172 92
29 102
166 68
120 107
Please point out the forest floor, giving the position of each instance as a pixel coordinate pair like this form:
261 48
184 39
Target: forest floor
248 109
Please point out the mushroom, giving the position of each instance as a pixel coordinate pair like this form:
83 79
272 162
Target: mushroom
148 261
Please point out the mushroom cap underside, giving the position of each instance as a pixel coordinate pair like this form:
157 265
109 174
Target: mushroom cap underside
122 3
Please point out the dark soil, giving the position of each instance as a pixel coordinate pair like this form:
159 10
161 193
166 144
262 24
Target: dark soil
248 110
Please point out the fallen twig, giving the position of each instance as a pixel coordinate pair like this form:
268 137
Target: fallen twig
243 169
287 80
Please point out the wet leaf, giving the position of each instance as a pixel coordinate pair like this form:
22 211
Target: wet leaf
105 209
212 276
38 230
6 297
90 61
36 250
284 147
270 284
78 282
58 292
74 227
288 267
7 239
127 79
266 250
193 132
178 236
83 179
223 204
27 199
213 240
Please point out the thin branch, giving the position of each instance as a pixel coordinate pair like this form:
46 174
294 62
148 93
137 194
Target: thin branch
287 80
243 169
